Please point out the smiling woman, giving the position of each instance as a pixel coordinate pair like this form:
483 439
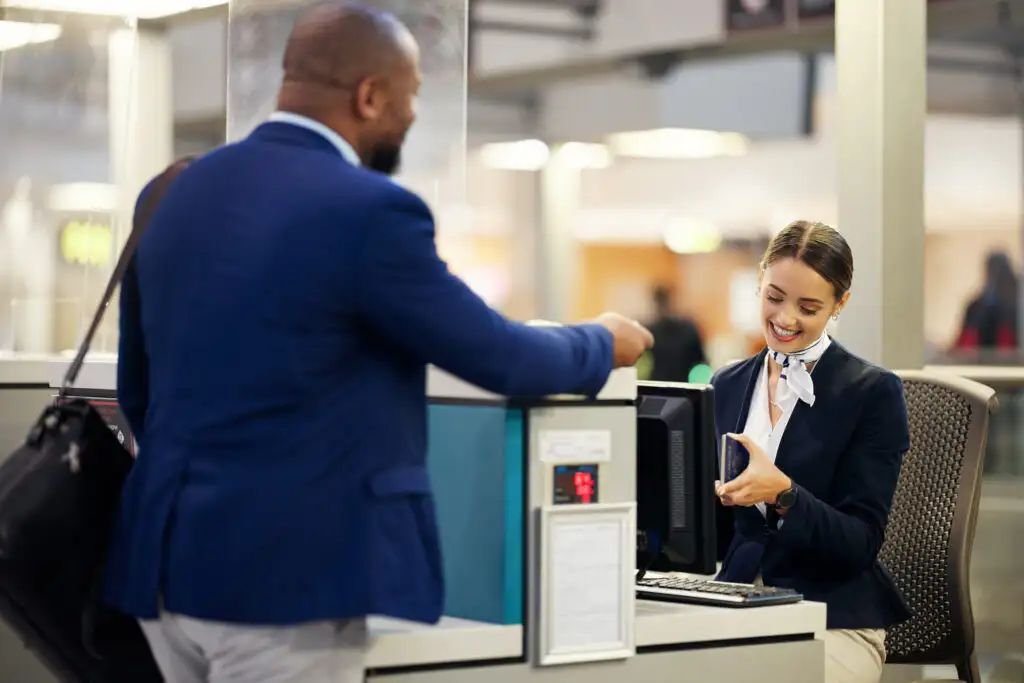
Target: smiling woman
809 511
805 278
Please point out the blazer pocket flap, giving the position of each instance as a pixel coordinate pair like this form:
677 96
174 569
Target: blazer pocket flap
402 480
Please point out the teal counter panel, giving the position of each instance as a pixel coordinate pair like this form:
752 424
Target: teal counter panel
476 466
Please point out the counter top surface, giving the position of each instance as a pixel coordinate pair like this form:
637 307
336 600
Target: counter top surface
24 369
665 623
395 643
669 623
101 373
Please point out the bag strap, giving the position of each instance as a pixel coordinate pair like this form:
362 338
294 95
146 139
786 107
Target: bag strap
140 221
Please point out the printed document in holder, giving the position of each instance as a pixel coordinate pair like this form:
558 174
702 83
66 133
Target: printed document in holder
587 598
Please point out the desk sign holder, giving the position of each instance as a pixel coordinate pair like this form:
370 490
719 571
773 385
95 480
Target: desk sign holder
587 600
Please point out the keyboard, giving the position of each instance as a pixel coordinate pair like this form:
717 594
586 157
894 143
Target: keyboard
716 593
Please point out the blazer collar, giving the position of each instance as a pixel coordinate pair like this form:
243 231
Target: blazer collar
800 430
295 136
824 374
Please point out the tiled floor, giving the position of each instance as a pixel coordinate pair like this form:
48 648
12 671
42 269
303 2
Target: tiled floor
997 581
994 669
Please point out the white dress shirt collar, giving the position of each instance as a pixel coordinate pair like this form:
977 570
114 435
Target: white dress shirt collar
309 124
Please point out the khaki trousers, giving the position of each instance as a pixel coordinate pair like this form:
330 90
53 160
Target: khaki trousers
854 656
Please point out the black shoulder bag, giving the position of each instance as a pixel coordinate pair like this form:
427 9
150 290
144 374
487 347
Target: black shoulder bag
59 493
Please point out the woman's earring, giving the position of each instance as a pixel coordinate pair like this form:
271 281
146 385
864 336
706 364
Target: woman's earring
835 317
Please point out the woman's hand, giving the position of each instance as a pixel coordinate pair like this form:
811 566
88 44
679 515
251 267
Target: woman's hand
761 482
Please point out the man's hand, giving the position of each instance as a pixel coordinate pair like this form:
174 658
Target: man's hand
631 338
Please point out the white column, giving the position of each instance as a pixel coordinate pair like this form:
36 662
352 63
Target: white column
141 113
30 256
881 63
557 248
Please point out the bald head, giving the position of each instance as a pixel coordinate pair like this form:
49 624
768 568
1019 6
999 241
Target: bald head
354 68
338 44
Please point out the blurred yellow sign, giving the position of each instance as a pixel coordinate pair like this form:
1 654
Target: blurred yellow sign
86 243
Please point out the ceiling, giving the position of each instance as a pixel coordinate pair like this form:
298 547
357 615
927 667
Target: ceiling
977 48
973 54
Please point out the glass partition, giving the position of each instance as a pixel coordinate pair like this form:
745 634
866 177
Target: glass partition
60 223
435 151
434 161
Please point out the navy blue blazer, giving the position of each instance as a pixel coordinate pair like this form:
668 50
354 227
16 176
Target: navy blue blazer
275 333
844 456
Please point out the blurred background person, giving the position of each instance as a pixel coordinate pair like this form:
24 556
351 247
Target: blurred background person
990 319
678 347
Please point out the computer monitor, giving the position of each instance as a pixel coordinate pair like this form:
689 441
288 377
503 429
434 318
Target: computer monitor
676 465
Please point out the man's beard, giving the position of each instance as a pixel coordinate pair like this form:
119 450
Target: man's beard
386 158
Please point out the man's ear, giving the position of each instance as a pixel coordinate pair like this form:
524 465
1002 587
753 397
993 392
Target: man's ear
368 103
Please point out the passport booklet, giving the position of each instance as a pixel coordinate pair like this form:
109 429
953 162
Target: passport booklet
734 459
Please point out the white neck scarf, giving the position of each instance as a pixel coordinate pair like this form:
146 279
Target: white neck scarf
795 383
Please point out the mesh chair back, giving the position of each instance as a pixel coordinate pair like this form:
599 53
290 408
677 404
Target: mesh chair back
931 527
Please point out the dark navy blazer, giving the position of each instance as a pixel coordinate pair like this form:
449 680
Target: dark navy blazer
844 456
275 334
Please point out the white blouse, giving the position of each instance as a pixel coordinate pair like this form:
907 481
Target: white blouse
759 419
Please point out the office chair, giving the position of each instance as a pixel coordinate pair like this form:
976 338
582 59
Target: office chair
928 541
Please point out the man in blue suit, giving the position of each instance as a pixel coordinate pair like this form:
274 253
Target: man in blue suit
276 328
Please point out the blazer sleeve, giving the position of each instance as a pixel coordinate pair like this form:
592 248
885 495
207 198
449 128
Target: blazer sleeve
407 294
132 365
850 533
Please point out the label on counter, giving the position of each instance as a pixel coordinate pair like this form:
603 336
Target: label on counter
569 446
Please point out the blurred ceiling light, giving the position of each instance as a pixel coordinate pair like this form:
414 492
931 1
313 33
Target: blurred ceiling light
585 155
83 198
523 155
15 34
678 143
691 236
141 9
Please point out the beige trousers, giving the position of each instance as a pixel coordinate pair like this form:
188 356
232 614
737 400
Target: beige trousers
854 656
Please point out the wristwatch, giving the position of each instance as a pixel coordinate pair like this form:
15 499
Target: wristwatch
786 499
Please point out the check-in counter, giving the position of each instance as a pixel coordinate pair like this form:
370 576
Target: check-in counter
24 392
698 643
496 465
